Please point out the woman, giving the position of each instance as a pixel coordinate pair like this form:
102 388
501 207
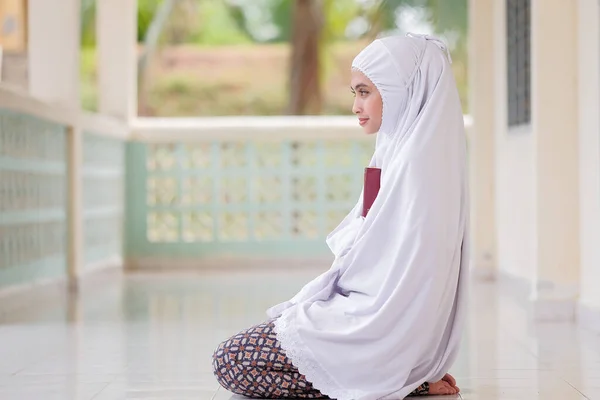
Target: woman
385 320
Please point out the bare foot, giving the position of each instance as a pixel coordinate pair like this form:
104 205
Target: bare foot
451 381
442 388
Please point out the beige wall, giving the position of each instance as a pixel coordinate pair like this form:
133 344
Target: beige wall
515 202
481 139
554 55
537 167
514 173
546 175
589 159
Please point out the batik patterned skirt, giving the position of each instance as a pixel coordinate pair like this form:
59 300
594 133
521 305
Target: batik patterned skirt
253 364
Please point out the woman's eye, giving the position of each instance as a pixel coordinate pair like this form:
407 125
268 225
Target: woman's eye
363 92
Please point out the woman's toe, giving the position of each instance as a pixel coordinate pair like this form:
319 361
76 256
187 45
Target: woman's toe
450 379
453 389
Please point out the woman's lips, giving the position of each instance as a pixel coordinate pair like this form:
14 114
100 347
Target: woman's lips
362 121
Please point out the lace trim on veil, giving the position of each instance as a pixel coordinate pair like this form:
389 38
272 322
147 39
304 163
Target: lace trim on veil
303 359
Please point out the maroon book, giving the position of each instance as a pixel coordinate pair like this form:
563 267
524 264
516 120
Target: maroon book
372 182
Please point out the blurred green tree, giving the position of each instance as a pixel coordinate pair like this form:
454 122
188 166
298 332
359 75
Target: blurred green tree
311 27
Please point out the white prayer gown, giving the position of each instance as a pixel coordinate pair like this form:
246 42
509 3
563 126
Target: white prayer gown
388 315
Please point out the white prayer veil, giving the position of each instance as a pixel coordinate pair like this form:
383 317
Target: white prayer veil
388 315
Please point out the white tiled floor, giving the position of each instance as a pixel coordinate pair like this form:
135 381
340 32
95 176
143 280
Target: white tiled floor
152 337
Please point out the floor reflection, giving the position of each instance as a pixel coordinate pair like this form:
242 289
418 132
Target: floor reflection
152 336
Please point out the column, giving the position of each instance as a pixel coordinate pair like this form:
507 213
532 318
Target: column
589 161
116 28
53 42
554 70
482 100
54 54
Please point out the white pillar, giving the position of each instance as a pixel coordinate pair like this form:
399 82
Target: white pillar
75 226
589 161
116 28
554 69
54 52
482 101
54 43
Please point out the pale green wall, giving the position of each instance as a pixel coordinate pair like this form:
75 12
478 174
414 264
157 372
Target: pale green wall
240 197
32 199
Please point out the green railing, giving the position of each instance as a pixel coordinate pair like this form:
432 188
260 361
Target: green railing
61 191
79 191
73 197
240 194
32 199
103 185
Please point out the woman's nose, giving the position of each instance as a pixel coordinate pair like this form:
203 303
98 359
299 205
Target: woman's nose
356 108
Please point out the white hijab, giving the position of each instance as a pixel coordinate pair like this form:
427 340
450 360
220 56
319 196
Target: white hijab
388 315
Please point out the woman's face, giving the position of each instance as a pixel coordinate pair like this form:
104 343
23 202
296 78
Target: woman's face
368 105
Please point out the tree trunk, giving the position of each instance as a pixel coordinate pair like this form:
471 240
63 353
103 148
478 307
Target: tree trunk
305 79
